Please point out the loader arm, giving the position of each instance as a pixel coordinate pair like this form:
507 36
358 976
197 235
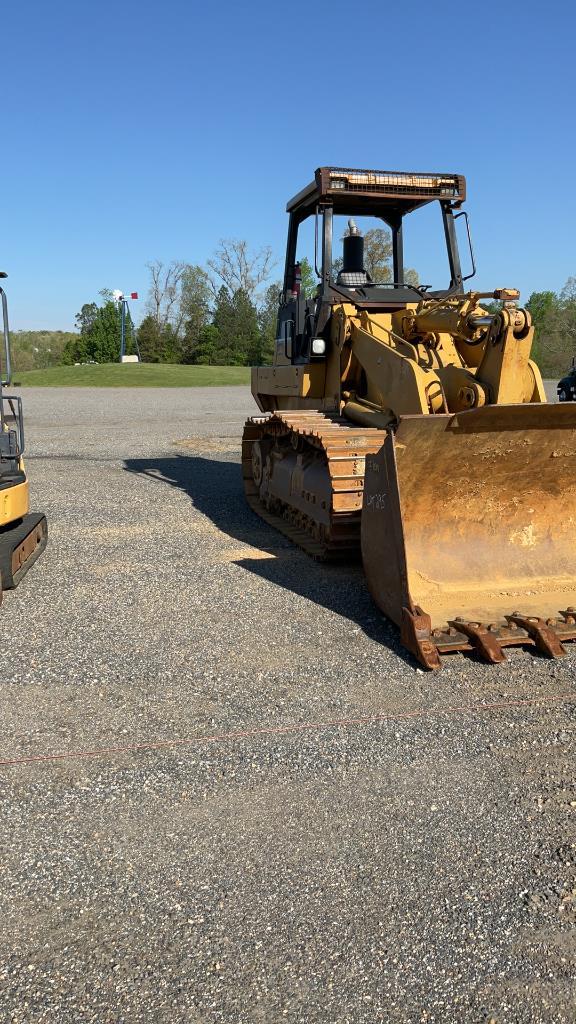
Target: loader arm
437 357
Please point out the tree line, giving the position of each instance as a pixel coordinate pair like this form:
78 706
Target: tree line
98 340
224 313
221 314
38 350
554 316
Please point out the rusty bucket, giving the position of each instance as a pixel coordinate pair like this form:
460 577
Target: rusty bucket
468 524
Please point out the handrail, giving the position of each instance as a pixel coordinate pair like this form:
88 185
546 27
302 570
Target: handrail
6 331
464 213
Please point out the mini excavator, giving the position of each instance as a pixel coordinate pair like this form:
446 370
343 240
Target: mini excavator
23 534
411 425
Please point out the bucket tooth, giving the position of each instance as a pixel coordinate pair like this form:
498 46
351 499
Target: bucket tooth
481 639
416 636
569 616
543 635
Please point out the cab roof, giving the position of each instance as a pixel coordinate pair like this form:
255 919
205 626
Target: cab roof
379 193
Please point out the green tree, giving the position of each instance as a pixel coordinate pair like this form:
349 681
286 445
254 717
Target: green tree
411 276
130 341
549 349
104 335
236 322
567 325
99 337
541 304
171 345
267 321
378 254
75 350
158 344
195 304
309 281
37 350
149 340
207 348
22 360
87 317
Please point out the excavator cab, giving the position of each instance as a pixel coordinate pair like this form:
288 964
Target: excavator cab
412 424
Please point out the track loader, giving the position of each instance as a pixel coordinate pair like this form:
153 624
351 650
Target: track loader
23 534
411 424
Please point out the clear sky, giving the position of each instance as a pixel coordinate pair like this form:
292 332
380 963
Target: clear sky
134 131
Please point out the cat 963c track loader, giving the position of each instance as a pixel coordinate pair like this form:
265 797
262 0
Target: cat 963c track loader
23 534
413 425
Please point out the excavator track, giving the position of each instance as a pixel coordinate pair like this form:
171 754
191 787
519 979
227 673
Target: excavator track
328 453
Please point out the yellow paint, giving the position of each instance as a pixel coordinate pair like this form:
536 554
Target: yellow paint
14 503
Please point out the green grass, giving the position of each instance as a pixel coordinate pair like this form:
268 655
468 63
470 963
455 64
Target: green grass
134 375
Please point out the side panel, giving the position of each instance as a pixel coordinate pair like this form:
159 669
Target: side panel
14 503
383 546
289 387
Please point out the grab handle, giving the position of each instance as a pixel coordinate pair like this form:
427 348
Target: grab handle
6 331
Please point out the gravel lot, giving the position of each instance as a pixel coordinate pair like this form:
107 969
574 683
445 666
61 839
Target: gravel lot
417 867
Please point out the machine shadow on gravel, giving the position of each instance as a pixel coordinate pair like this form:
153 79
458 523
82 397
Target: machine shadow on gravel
215 488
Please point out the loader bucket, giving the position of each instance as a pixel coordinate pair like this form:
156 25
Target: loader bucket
468 529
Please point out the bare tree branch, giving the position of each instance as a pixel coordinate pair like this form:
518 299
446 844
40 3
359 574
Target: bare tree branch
235 267
164 293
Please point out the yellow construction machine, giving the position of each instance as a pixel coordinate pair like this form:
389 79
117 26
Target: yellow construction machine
23 534
413 425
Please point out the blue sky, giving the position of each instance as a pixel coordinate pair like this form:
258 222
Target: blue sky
134 131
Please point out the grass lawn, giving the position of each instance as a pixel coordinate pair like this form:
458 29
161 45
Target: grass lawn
134 375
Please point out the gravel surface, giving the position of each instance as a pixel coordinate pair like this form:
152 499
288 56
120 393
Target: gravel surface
420 866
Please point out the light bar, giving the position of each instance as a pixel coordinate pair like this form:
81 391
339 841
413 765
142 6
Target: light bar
394 183
356 189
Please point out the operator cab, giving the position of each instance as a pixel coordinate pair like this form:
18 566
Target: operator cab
336 192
